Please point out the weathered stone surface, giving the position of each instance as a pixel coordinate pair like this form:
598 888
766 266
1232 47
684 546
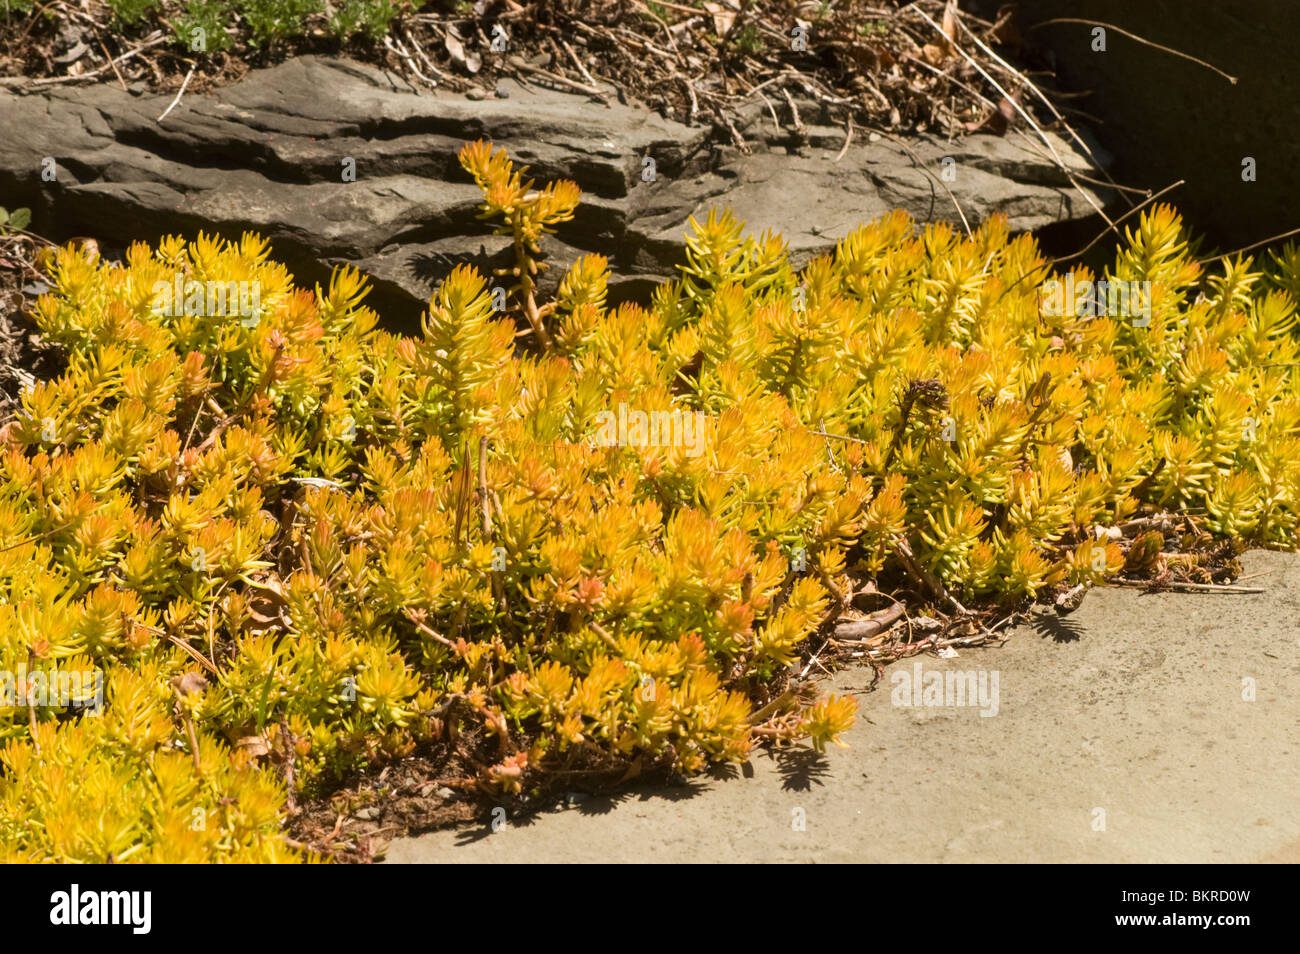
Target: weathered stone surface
268 153
814 200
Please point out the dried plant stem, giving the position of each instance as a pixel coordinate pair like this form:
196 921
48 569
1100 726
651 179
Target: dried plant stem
396 47
1182 586
190 733
291 798
1069 174
109 57
921 165
179 93
1138 39
988 51
1248 248
920 574
31 706
605 637
528 287
783 699
428 631
91 74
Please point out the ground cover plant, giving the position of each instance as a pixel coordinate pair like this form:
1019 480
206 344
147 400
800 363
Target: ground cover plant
558 537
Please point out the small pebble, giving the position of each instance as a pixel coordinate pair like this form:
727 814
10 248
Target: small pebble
367 814
445 792
503 93
476 94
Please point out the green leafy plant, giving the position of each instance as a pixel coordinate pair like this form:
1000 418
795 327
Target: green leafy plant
128 12
748 40
18 6
14 221
370 17
211 17
273 20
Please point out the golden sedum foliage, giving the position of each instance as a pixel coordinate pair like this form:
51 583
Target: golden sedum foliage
364 541
115 787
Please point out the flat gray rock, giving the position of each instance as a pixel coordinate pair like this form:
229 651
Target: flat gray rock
268 153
